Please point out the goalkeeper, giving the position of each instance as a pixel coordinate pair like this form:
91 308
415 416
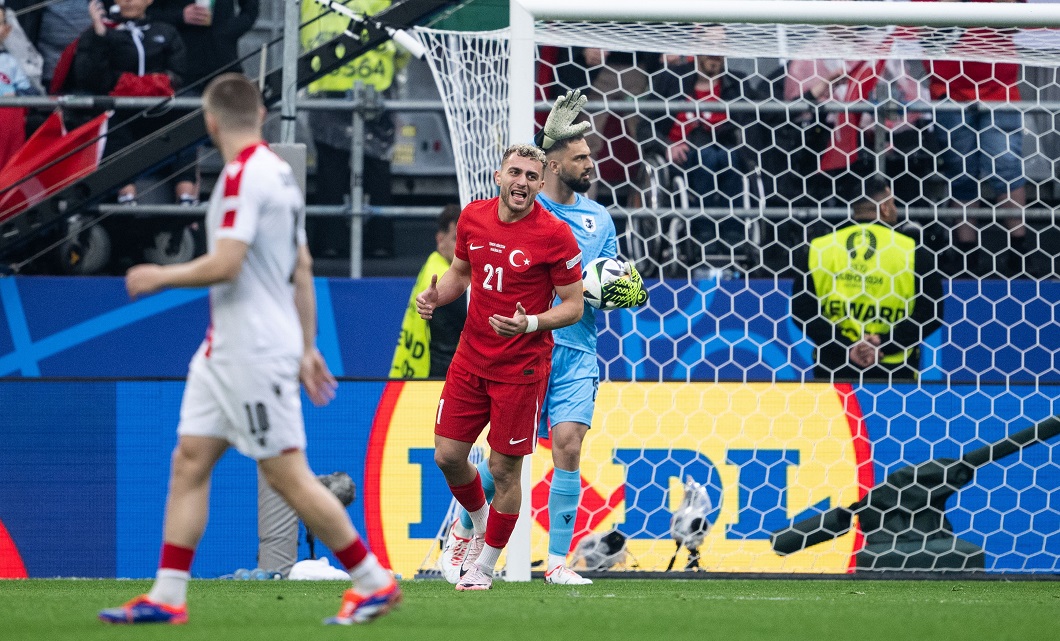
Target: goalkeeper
575 373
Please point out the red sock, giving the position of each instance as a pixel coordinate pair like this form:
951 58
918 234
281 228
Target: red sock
175 557
499 528
470 496
352 555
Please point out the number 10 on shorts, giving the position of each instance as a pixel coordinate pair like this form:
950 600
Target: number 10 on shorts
258 419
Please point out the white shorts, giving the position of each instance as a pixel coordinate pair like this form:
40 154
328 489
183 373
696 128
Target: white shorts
255 405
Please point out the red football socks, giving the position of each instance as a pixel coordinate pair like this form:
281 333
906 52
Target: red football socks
352 555
176 557
499 528
470 496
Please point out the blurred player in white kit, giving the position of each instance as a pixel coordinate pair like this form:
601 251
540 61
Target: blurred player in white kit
243 382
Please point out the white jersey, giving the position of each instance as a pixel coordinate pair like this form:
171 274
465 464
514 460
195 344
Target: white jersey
256 201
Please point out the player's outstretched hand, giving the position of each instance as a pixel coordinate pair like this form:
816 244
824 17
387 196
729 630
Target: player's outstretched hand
512 326
144 279
560 123
427 300
319 384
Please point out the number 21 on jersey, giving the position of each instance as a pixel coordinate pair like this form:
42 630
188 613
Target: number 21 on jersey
492 271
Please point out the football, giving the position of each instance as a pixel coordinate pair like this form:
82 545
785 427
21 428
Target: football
597 274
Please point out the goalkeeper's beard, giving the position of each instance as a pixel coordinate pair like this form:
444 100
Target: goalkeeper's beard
578 184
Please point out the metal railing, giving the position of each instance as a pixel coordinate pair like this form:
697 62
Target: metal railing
363 103
360 104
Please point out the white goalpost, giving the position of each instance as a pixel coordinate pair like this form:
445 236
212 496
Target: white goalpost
714 382
842 12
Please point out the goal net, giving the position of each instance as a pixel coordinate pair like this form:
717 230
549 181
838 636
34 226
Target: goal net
727 139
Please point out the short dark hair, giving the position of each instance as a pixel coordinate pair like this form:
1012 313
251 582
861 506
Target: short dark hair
561 145
874 190
558 145
450 214
234 100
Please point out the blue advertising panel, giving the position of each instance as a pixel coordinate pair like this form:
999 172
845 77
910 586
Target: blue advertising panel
707 330
58 476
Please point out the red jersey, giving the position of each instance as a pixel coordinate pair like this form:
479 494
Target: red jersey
520 262
688 120
970 81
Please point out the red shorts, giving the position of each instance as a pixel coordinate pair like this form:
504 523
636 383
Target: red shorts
468 402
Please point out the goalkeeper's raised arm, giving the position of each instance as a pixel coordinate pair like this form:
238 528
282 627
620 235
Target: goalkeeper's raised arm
560 124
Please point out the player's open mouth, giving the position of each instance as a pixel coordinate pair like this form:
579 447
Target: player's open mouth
518 195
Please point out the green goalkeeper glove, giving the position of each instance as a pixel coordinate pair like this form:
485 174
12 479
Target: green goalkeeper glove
626 292
560 122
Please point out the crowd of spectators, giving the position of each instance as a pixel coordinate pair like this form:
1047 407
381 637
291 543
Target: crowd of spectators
124 48
963 156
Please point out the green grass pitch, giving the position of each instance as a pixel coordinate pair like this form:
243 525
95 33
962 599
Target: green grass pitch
656 610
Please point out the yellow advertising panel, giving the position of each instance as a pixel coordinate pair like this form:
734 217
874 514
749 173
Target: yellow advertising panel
766 453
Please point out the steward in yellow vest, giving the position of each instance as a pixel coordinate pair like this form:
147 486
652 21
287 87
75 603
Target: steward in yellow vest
426 348
868 296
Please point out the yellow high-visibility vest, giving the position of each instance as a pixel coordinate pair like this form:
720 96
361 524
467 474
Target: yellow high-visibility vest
375 68
865 277
412 358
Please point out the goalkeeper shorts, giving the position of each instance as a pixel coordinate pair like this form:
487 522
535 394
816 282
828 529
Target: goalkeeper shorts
572 389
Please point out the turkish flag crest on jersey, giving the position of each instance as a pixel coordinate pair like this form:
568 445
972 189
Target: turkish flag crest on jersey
520 260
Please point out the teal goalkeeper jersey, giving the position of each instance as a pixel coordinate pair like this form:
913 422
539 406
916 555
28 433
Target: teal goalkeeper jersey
595 232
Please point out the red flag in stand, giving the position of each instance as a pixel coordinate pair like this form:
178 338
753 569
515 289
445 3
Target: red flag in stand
75 154
12 132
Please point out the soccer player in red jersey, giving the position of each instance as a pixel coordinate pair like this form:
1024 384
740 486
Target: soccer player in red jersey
515 256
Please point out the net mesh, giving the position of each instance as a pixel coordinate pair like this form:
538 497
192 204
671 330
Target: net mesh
474 101
803 41
801 470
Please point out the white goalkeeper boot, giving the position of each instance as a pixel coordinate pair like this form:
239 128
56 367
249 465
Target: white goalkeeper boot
562 575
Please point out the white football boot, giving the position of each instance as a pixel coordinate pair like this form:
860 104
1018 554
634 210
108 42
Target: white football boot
562 575
472 577
453 554
474 548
